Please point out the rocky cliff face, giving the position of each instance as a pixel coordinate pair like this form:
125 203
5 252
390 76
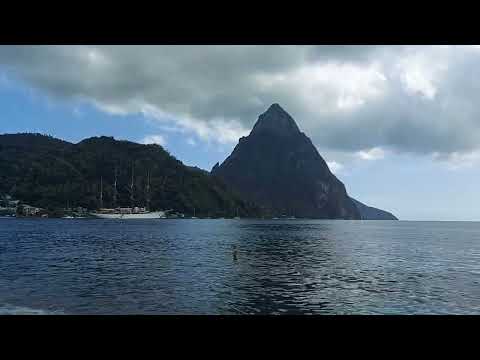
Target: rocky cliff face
371 213
279 168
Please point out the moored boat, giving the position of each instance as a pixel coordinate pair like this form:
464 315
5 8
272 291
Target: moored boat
128 213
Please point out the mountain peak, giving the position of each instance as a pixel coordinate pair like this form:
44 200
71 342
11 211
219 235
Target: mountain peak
276 107
277 121
278 168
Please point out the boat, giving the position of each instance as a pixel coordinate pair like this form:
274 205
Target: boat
193 217
237 217
128 213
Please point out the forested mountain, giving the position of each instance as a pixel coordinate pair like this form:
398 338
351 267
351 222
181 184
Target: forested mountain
50 173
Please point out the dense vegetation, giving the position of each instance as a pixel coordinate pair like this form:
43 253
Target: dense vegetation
50 173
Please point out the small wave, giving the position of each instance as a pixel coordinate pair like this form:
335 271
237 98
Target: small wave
22 310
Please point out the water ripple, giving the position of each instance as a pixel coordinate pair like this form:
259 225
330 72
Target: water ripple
281 267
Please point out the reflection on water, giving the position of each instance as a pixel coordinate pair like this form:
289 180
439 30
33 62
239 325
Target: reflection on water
239 267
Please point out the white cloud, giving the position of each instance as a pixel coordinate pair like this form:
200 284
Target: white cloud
95 57
154 139
335 167
421 74
330 87
458 160
375 153
419 99
191 141
218 130
113 109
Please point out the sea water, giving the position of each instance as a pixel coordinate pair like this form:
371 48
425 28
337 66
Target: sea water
50 266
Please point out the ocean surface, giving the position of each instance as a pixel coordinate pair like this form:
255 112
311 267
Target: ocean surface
50 266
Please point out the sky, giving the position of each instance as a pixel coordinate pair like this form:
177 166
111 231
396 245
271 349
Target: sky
398 125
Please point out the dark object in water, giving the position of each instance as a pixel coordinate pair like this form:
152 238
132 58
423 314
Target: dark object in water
235 252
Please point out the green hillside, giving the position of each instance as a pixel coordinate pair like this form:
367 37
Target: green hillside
50 173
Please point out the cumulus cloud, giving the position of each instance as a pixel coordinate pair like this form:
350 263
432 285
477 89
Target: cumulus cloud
375 153
420 99
154 139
